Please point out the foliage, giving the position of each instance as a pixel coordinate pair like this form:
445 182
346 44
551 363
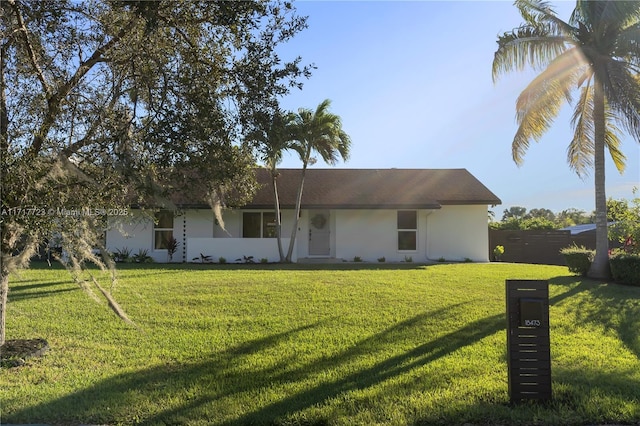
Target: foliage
573 217
596 54
357 259
498 251
533 223
337 344
625 267
518 218
172 247
101 96
382 259
142 256
514 212
626 223
222 260
203 258
578 259
122 255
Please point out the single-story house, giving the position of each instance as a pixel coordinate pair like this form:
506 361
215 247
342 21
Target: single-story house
367 214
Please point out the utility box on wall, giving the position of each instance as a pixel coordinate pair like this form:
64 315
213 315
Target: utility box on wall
528 340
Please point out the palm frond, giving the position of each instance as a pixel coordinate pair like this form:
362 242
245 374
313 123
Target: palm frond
628 45
540 102
320 131
612 142
536 12
582 147
580 153
527 46
606 15
622 91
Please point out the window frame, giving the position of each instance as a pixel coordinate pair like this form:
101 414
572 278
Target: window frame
157 229
265 215
405 230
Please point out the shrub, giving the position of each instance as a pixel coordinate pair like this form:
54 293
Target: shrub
222 260
142 256
625 268
122 255
578 259
382 259
172 247
357 259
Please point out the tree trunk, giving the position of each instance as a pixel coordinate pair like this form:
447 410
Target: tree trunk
297 212
4 292
600 267
274 180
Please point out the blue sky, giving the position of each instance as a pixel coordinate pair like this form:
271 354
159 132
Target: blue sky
412 83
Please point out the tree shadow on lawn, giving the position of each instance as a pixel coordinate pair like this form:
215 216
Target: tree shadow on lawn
225 382
612 306
19 291
224 378
579 397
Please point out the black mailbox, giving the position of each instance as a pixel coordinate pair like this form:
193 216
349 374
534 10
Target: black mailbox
528 342
531 312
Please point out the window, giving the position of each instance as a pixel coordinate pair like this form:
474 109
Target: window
407 230
258 225
163 229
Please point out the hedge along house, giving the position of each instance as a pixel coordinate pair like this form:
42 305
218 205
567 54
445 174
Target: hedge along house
346 214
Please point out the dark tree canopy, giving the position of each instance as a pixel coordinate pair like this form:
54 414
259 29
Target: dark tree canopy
107 103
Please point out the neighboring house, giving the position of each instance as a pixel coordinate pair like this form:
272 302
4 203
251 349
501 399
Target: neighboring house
396 214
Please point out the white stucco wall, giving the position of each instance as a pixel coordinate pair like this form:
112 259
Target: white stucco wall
368 234
458 233
135 233
453 232
235 249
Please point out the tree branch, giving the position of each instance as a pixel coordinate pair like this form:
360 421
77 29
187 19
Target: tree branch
32 56
54 101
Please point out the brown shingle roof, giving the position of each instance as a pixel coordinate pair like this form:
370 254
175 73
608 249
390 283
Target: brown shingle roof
373 189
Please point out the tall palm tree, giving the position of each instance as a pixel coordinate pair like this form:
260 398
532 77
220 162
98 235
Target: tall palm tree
597 53
318 132
274 141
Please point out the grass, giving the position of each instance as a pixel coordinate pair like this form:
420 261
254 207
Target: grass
339 345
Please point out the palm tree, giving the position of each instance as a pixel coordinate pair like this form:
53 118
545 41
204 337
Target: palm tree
318 132
274 141
597 52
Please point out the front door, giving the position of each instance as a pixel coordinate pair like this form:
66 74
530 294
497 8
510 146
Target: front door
319 233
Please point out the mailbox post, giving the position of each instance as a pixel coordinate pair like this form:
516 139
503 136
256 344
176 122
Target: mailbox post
528 342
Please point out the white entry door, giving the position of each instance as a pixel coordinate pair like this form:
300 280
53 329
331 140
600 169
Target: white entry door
319 233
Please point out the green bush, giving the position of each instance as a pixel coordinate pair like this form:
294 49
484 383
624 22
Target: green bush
625 268
578 259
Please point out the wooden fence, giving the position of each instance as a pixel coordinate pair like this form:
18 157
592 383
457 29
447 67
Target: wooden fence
541 247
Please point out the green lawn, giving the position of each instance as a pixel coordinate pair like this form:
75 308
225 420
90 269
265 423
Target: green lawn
344 344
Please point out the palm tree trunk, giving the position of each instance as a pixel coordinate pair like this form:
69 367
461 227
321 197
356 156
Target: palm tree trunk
298 204
600 266
274 180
